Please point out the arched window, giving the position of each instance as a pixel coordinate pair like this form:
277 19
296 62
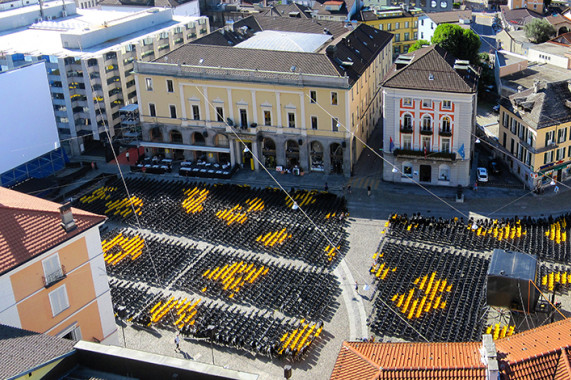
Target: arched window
407 121
426 123
446 124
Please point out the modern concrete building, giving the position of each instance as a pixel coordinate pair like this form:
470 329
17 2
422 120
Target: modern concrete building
292 90
89 57
429 113
534 130
52 274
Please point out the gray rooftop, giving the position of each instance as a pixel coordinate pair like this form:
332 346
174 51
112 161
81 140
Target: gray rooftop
285 41
535 71
543 105
23 350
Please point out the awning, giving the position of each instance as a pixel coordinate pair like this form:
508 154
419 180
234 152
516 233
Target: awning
200 148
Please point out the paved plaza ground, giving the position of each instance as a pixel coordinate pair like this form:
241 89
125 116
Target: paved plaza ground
368 215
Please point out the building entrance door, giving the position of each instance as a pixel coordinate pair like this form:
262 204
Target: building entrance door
425 173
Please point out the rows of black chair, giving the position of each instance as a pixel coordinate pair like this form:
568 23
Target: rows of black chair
462 234
256 331
162 211
458 321
294 291
161 261
129 298
554 278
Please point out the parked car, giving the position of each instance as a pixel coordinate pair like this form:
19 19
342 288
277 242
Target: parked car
494 167
482 174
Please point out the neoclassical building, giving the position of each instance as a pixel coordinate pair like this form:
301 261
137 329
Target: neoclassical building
288 91
429 118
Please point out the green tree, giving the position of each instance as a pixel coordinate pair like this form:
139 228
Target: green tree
539 30
461 43
417 45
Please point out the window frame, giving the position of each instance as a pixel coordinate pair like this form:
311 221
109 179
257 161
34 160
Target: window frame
267 120
56 293
220 114
291 119
152 110
195 112
334 98
149 84
312 96
314 123
170 85
172 111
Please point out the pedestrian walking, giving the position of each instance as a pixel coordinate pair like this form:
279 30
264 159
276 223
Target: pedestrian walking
476 186
326 187
356 287
556 189
177 341
349 189
127 155
369 191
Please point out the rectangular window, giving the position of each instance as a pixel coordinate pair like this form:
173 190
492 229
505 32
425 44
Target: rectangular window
446 105
407 102
173 111
58 300
389 27
547 157
380 26
406 24
397 25
314 122
219 113
291 119
152 110
397 37
52 269
335 124
170 87
549 138
243 117
426 103
426 142
149 83
267 118
445 145
560 154
407 36
334 98
195 112
313 96
407 142
562 135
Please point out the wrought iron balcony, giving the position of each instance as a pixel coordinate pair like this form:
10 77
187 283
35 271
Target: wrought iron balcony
54 277
430 155
445 132
405 128
426 131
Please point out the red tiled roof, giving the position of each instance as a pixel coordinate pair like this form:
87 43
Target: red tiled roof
541 353
31 225
358 360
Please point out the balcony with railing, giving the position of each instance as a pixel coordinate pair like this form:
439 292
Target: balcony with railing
406 128
445 132
426 130
54 277
422 153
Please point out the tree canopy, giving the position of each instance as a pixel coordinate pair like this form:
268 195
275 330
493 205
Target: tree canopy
538 30
461 43
417 45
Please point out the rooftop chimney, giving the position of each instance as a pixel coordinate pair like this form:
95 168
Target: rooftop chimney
67 221
535 86
490 357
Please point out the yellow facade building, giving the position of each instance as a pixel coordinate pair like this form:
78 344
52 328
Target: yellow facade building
263 92
535 132
403 24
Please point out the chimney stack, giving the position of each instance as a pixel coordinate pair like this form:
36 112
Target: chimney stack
535 86
490 357
67 221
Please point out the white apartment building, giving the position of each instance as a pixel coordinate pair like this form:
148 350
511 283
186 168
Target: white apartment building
429 113
89 57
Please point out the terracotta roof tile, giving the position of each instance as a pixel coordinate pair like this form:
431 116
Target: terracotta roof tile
31 225
409 361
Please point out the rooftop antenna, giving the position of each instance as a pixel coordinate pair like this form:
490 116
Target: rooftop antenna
41 3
